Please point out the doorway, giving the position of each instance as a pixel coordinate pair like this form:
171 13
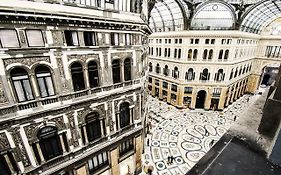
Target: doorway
200 99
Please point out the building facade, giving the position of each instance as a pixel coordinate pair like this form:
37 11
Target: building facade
71 87
207 54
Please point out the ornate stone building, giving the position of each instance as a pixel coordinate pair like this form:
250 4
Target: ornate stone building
206 54
71 86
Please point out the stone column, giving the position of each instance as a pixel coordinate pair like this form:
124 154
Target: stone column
85 134
180 96
40 152
114 155
62 143
34 86
138 153
86 78
222 99
9 164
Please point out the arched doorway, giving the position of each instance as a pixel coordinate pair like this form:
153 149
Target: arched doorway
200 99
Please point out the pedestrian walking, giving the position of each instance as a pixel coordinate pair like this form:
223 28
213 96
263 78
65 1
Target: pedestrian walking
169 160
212 142
235 118
172 159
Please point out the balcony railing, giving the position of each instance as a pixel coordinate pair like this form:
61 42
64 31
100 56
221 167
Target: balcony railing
75 95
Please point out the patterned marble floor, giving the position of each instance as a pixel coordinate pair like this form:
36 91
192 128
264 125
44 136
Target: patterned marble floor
186 135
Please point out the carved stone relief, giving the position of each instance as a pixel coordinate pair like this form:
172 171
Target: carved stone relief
19 150
83 57
122 55
3 98
74 133
26 61
4 144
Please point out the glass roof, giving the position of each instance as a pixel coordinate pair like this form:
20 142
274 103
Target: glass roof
173 15
167 15
260 15
213 16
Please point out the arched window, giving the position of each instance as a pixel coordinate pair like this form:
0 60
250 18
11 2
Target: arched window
205 54
195 53
226 54
231 74
127 69
77 76
21 84
150 67
205 75
166 70
220 54
93 72
157 68
93 126
189 56
240 71
116 75
190 74
49 142
236 72
219 76
44 80
124 115
244 69
210 54
176 72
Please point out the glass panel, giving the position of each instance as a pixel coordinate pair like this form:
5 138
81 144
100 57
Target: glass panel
19 91
28 90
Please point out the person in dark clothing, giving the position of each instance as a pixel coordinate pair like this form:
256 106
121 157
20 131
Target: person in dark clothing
172 159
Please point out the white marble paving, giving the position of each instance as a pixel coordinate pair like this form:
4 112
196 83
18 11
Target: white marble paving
185 134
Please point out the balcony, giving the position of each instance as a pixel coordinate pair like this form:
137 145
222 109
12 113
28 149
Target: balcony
40 103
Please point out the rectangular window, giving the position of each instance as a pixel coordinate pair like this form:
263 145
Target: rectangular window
98 161
223 41
71 38
191 41
89 38
196 41
213 41
207 41
229 41
9 38
174 88
157 82
150 80
179 54
165 84
180 41
126 146
176 41
188 90
166 41
34 38
170 41
216 91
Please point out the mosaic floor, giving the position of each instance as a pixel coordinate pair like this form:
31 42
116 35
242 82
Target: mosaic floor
185 135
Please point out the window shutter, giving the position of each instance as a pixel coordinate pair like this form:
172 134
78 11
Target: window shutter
193 76
200 76
208 78
223 76
9 38
34 38
173 73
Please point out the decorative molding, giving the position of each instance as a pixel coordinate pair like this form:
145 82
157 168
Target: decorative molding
26 61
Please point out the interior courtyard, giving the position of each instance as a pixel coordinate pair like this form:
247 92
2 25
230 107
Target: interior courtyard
126 87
